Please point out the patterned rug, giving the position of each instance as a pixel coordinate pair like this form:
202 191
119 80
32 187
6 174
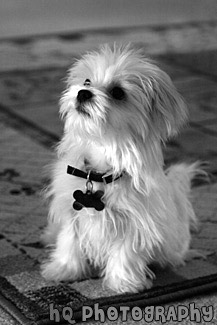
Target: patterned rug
25 148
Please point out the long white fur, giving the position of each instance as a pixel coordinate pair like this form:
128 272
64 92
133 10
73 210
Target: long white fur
147 213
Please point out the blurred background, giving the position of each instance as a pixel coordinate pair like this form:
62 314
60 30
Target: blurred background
29 17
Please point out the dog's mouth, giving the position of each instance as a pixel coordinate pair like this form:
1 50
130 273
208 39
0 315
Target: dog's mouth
82 110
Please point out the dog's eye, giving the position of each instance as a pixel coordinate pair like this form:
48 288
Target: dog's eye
87 82
117 93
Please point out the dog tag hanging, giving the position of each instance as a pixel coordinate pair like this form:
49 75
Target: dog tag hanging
88 199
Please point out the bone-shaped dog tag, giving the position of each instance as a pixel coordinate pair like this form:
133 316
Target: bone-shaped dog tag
88 200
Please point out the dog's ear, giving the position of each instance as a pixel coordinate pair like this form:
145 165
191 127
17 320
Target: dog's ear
169 111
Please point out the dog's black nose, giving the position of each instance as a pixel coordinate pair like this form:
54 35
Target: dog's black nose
84 95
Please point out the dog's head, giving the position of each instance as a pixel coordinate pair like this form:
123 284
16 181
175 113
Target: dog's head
118 91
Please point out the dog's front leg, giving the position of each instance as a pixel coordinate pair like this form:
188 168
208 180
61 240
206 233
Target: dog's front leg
127 270
66 261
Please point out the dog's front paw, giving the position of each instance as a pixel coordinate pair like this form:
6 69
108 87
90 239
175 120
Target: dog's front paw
124 286
55 271
133 281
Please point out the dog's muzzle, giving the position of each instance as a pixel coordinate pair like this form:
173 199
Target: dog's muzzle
83 97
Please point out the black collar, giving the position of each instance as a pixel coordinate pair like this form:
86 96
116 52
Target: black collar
92 175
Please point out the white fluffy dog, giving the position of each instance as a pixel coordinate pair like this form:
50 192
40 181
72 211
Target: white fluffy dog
119 210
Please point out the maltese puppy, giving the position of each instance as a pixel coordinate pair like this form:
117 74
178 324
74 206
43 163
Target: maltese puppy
113 207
